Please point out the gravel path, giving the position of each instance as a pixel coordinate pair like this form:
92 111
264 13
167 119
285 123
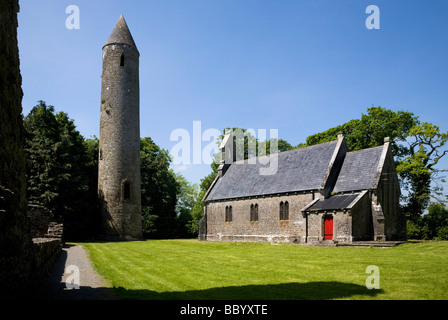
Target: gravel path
91 285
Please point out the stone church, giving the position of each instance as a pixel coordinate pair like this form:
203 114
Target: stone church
321 194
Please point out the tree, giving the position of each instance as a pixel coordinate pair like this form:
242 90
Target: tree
187 197
418 169
371 129
60 171
159 191
433 225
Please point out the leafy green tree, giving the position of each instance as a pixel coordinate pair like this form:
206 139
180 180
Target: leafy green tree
371 129
186 199
196 215
60 170
159 191
419 168
433 225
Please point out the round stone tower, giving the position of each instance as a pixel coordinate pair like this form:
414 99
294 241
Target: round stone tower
119 187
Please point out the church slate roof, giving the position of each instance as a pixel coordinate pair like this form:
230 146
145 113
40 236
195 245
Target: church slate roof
298 170
359 170
336 202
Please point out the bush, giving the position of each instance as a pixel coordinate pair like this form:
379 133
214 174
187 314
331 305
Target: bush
443 233
414 230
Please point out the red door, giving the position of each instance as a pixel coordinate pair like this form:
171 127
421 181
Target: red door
328 227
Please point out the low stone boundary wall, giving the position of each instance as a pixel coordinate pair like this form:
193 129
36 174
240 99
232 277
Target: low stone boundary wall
46 251
48 239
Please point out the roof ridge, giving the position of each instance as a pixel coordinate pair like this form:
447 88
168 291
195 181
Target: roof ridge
283 152
380 146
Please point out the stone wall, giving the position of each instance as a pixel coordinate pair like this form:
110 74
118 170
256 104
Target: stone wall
42 224
46 251
268 228
16 246
40 218
385 204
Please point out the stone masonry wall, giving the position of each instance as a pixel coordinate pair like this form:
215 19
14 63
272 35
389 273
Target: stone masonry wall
120 143
268 227
16 249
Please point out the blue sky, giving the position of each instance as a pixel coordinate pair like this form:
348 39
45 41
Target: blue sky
297 66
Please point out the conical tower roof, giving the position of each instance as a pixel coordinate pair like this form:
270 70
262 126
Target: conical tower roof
121 34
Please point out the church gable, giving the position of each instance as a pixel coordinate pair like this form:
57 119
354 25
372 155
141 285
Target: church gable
359 170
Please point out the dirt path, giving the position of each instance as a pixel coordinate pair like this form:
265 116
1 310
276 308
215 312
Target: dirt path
91 285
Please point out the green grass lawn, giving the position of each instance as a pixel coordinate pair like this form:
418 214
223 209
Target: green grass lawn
189 269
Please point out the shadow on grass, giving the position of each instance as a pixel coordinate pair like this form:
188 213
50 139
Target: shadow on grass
283 291
52 288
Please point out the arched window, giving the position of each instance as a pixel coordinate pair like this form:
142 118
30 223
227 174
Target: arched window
228 213
256 212
286 211
282 211
122 60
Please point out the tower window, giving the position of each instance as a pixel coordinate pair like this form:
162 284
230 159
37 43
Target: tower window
126 191
122 60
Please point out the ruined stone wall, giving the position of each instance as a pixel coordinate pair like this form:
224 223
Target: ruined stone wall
16 249
268 228
40 218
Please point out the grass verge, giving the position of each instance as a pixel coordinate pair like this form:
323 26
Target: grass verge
189 269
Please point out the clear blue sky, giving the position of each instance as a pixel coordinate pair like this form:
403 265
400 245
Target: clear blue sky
299 66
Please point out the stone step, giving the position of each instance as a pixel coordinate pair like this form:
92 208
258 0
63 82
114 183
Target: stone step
376 244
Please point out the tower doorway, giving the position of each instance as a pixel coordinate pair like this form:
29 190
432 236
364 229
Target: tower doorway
328 227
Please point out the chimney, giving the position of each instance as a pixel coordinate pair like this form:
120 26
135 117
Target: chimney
227 148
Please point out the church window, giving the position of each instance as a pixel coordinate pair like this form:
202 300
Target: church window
228 213
284 210
122 60
254 212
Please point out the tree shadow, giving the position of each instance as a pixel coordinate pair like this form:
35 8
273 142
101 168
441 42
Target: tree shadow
324 290
53 288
